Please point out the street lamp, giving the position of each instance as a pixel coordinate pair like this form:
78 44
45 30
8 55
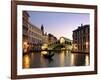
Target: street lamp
87 46
25 48
87 43
75 47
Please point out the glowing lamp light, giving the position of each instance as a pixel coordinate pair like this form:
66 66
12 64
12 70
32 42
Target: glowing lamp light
86 43
44 46
75 46
25 43
25 48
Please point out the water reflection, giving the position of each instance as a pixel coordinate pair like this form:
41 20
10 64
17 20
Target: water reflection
61 56
72 59
87 60
43 61
79 59
26 61
60 59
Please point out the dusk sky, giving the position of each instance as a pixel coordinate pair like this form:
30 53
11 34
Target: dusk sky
59 23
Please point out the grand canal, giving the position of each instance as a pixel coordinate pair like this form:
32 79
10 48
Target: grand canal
60 59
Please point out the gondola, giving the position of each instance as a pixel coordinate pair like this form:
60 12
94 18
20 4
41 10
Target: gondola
48 55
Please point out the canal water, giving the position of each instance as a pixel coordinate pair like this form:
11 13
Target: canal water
60 59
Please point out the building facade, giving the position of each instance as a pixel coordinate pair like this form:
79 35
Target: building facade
25 31
51 39
81 41
33 36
